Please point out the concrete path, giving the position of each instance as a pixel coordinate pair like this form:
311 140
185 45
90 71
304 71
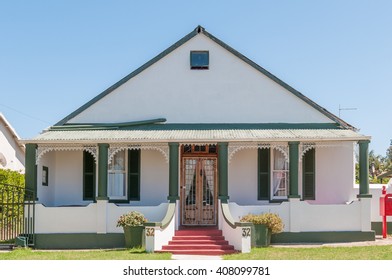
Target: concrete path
378 242
195 257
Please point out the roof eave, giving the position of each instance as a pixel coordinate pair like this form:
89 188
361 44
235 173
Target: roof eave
206 140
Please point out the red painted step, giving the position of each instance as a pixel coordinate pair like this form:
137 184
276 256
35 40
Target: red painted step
198 241
196 237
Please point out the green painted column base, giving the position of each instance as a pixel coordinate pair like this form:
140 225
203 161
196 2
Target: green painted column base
79 241
377 227
364 196
173 198
323 237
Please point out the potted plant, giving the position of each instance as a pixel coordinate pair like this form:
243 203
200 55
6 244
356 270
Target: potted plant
264 225
133 226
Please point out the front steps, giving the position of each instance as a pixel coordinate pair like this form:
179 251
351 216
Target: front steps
198 241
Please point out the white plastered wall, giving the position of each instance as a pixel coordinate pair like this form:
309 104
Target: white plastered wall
13 154
154 183
243 178
230 91
69 178
334 175
45 194
66 179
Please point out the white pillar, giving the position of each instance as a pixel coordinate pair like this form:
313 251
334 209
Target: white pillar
295 214
102 209
366 224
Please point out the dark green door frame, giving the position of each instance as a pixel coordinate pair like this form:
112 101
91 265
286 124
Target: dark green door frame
173 171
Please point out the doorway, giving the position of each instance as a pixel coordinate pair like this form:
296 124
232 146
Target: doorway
199 189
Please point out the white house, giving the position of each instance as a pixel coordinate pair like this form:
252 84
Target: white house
12 151
198 137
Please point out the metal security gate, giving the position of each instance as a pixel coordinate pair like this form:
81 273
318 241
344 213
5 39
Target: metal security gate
199 191
16 215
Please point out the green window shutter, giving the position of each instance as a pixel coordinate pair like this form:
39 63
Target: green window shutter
134 174
263 165
88 176
309 175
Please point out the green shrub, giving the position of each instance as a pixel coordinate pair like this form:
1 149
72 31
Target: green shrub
271 220
131 219
11 177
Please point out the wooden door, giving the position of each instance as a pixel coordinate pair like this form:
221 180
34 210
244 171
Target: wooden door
199 191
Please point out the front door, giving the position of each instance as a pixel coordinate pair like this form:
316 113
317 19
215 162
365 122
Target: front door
199 191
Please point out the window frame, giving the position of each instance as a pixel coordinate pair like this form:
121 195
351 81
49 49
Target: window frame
128 181
284 171
204 65
265 190
124 172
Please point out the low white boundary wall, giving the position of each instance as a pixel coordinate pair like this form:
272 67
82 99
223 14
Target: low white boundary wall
300 216
100 217
239 236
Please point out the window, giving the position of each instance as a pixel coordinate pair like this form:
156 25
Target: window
89 168
308 175
199 59
45 176
280 178
273 175
117 177
124 176
199 149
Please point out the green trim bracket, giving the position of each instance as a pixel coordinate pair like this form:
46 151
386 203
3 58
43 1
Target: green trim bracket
229 218
171 210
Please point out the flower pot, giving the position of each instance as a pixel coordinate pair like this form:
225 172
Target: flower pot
261 236
134 236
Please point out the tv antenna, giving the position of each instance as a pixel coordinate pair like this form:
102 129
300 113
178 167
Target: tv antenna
345 109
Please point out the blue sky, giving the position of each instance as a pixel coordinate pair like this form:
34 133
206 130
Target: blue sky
57 55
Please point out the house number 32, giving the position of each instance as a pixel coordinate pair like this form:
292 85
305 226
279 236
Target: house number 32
245 232
150 231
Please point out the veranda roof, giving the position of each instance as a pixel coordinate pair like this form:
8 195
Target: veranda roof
196 136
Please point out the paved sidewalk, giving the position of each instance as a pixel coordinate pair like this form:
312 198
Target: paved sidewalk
378 242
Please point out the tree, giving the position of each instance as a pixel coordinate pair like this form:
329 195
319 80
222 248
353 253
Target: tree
377 165
388 159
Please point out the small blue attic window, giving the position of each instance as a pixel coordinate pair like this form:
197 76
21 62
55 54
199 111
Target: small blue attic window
199 59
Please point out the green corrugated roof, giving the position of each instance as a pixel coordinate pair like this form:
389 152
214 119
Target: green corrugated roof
210 135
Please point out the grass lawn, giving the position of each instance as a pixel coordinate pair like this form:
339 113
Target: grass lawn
120 254
318 253
270 253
